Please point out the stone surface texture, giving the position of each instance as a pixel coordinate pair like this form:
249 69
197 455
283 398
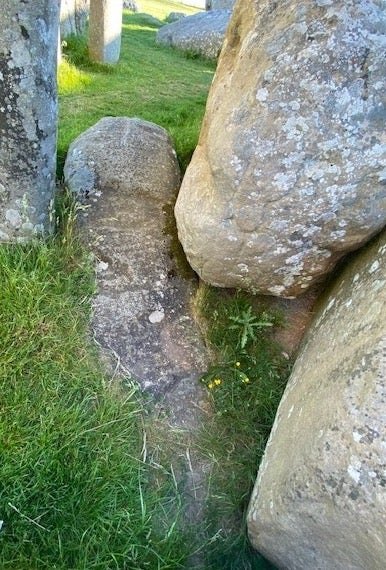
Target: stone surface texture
220 4
319 501
28 116
126 173
73 17
105 28
202 33
290 170
175 16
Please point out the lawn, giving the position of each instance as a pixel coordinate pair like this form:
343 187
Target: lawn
151 82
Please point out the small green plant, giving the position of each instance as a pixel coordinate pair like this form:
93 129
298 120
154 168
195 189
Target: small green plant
247 325
245 384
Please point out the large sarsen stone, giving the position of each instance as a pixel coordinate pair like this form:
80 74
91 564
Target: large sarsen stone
320 498
202 33
290 169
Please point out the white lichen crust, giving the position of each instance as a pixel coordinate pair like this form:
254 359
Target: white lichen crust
28 116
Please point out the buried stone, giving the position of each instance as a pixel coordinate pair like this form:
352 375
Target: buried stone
126 172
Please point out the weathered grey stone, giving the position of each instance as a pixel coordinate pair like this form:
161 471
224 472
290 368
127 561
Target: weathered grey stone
319 500
202 33
73 17
220 4
290 169
105 30
126 172
131 5
28 116
175 16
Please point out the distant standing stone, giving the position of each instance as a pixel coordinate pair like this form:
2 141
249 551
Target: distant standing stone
202 33
73 17
28 116
105 30
220 4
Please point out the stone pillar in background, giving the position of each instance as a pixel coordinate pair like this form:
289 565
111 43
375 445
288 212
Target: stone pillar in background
73 17
220 4
28 116
105 30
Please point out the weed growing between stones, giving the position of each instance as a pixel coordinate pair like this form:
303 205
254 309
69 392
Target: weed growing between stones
245 383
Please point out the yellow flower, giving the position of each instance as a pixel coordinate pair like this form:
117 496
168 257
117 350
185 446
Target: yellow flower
246 380
217 381
237 364
210 385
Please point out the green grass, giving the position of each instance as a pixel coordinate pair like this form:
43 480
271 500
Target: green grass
245 383
75 490
151 82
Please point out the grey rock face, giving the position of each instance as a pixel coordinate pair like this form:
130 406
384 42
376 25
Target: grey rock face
126 172
28 116
220 4
73 17
131 5
319 500
290 169
202 33
105 30
175 16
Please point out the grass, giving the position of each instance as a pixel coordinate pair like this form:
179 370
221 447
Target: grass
151 82
245 382
75 487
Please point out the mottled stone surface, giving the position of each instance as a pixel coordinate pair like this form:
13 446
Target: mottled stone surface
220 4
175 16
105 28
73 17
202 33
290 169
126 172
131 5
320 500
28 116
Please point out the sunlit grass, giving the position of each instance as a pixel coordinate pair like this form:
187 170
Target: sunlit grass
156 83
71 79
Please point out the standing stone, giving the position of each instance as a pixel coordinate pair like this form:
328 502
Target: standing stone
220 4
28 116
290 170
320 498
73 17
105 31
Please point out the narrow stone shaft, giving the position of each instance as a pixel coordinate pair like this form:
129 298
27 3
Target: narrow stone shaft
105 30
28 116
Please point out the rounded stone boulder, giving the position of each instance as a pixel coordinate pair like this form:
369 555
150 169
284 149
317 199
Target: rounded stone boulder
202 33
319 501
290 170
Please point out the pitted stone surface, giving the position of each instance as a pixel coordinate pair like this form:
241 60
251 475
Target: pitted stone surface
28 116
319 501
202 33
290 169
126 174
